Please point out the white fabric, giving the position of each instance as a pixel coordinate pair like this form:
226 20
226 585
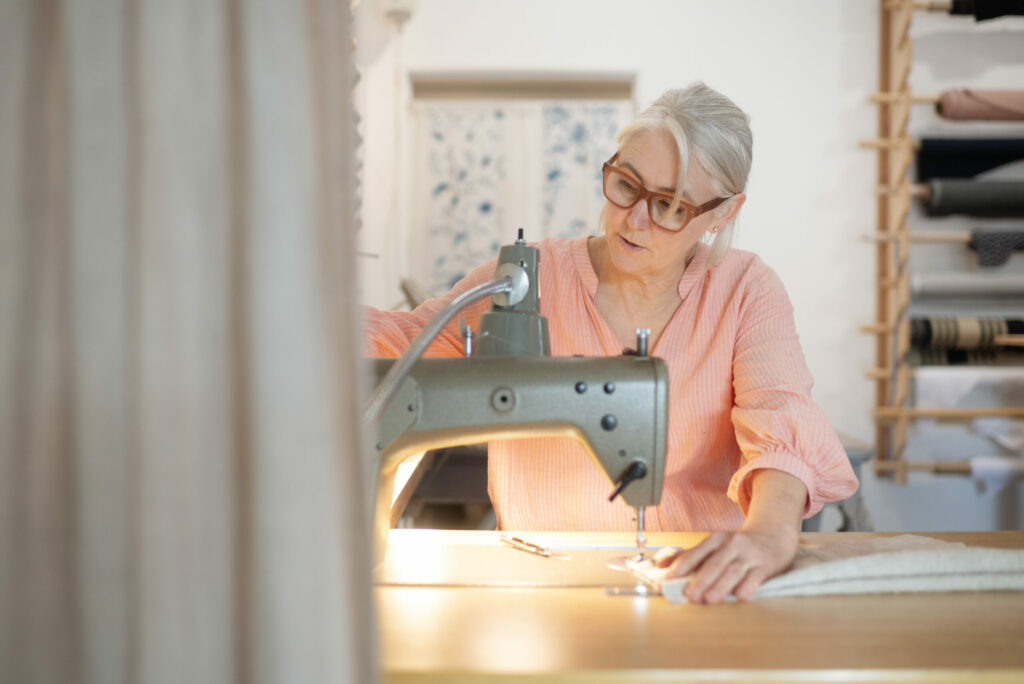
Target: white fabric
976 386
993 473
903 564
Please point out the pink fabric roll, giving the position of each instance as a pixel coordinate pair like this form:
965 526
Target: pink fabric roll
992 105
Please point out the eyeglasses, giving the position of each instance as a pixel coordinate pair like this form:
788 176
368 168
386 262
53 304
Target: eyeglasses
623 189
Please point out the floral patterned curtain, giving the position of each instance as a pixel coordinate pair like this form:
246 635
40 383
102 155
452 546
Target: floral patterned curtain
485 168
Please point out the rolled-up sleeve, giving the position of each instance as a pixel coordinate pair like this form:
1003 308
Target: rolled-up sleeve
389 333
777 424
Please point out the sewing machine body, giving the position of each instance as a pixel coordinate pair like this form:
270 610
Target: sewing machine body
509 388
615 406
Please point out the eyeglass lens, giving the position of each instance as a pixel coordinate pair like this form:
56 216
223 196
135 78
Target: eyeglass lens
625 191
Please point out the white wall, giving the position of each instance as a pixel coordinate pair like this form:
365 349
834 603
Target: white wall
803 69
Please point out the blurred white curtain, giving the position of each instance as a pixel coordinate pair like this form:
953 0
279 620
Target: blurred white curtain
180 489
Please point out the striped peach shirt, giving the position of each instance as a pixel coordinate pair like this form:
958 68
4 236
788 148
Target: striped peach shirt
739 398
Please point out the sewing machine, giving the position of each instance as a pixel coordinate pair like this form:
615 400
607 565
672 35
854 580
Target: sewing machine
509 387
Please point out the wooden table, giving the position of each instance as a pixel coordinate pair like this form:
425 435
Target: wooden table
436 626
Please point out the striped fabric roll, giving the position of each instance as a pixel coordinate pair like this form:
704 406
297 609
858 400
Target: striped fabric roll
967 104
941 333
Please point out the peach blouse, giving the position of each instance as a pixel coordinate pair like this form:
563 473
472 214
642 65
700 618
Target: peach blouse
739 398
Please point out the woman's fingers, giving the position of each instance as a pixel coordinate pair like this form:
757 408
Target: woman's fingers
723 585
690 559
750 584
665 556
728 563
717 571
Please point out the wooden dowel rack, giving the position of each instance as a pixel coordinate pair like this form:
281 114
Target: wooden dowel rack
891 143
893 413
934 5
889 98
941 467
1009 340
894 149
933 236
919 190
885 373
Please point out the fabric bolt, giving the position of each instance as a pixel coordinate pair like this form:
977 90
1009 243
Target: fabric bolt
994 247
967 285
976 386
739 398
1003 356
989 198
965 157
992 474
968 104
960 333
987 9
893 565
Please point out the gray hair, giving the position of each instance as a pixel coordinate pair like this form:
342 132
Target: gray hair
710 126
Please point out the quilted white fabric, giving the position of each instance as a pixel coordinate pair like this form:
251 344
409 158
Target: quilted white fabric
907 563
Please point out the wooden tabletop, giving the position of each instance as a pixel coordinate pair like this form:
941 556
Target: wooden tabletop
460 607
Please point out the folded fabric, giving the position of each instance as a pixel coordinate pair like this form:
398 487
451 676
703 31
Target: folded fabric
993 473
975 387
994 247
987 9
902 564
1001 356
987 198
956 284
965 157
969 104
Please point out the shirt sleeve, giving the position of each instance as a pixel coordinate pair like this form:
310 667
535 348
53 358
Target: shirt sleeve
389 333
777 423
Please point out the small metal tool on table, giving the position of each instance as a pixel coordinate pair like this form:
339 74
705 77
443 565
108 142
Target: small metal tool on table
530 547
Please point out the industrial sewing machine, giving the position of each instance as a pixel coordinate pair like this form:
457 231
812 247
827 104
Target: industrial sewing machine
508 387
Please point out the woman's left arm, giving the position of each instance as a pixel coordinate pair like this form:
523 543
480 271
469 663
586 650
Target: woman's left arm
792 461
739 562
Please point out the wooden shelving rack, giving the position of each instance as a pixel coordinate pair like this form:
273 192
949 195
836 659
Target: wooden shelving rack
896 150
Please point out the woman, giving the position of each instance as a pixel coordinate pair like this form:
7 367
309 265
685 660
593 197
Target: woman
749 453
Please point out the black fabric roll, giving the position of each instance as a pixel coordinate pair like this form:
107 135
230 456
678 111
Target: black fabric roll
1004 356
965 157
920 332
994 247
987 9
984 198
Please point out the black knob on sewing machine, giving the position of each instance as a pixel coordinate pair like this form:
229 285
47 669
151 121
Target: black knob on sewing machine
635 471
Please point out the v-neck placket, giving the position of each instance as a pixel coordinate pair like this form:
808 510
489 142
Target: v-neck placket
694 273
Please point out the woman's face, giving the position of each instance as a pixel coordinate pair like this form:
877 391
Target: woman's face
636 245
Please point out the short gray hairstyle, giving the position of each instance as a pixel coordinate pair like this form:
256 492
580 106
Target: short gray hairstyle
710 127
